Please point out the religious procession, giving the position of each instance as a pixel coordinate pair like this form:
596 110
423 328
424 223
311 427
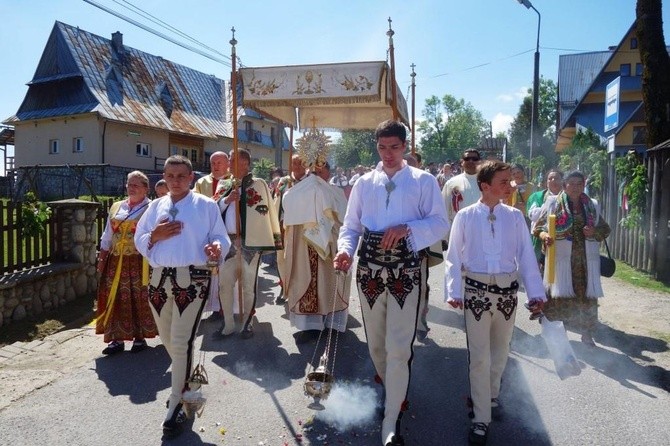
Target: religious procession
195 252
205 263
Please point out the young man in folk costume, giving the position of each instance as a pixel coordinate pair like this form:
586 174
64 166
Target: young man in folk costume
259 232
219 163
399 212
312 217
489 250
179 234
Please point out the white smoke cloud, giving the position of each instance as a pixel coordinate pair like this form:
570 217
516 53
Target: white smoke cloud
349 405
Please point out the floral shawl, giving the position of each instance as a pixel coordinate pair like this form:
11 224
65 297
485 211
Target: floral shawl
564 214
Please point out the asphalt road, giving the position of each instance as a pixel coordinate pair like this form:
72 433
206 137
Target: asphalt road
76 396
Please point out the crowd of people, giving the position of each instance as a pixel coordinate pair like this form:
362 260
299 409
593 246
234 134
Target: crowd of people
165 262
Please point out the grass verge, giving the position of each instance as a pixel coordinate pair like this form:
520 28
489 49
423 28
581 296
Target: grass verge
74 314
637 278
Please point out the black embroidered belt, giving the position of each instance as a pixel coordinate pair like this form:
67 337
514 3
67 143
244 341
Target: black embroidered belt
193 271
398 257
494 289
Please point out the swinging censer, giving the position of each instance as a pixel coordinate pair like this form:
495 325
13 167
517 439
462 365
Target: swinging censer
319 382
192 399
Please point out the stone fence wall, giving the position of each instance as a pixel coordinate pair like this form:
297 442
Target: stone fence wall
71 274
57 182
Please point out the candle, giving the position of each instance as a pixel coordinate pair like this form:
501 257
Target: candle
550 259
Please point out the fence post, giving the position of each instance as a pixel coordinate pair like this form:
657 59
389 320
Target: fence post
75 235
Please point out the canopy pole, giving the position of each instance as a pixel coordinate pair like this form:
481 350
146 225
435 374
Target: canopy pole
413 103
394 93
290 153
237 182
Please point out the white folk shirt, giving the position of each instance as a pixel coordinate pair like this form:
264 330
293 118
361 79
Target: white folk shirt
123 213
415 201
474 247
202 224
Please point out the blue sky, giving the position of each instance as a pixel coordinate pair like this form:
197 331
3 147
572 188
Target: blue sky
477 50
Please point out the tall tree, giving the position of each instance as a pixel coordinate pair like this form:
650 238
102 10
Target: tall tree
656 69
519 135
356 147
450 125
588 155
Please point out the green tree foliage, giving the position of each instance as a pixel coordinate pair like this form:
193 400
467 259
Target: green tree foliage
656 66
262 168
519 134
356 147
588 155
632 171
34 216
449 126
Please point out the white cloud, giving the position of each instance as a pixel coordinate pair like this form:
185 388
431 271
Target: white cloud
501 123
521 93
514 96
505 97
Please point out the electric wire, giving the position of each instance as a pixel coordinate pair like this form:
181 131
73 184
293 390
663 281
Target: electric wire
157 33
136 9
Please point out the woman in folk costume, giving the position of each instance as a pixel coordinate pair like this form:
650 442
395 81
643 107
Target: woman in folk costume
579 230
123 306
536 204
312 217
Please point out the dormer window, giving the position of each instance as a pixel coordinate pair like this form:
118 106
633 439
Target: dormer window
165 99
114 82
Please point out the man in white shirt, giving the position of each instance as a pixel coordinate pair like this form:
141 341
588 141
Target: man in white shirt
490 248
339 179
179 235
399 212
461 190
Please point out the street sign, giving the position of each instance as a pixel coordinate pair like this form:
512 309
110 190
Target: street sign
612 104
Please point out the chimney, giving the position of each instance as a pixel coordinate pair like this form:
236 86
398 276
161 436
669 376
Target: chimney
117 45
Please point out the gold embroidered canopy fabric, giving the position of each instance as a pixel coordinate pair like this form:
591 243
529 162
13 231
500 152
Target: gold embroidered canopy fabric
353 95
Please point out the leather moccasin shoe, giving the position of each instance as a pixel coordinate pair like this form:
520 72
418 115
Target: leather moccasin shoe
247 333
113 348
138 346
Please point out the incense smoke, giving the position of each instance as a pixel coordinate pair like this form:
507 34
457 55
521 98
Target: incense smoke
349 405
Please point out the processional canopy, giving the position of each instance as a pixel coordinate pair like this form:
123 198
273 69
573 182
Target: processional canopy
354 95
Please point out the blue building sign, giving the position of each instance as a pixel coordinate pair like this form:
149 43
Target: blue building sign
612 104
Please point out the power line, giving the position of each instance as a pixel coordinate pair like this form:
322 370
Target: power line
128 5
482 64
157 33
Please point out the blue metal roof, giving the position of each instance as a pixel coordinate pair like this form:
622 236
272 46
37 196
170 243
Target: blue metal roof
124 85
576 74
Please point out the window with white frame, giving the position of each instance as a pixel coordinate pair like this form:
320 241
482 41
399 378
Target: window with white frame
54 146
143 149
191 154
78 144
